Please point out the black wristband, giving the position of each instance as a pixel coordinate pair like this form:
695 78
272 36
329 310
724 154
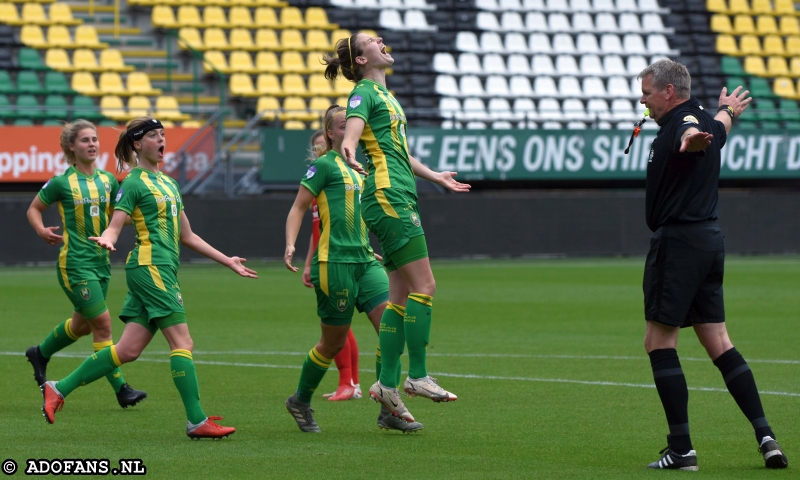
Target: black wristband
727 109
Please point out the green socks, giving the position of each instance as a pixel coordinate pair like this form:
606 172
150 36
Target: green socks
314 368
93 368
378 367
392 341
184 376
115 376
418 316
60 338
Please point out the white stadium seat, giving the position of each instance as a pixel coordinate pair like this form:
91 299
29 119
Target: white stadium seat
490 5
469 63
627 6
518 65
581 6
545 87
512 22
635 64
582 22
651 23
533 5
573 109
606 22
501 125
558 22
657 43
449 107
650 6
500 109
612 65
566 65
515 42
569 87
524 107
473 109
629 22
610 43
557 6
603 6
471 85
542 65
496 85
391 19
633 43
587 43
416 20
549 109
562 43
446 85
467 42
520 86
535 22
539 43
636 88
510 5
395 4
487 21
622 110
619 87
491 42
591 65
444 63
494 64
596 108
594 87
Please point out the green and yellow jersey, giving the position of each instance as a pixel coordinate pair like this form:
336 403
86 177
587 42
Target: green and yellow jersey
383 140
85 204
153 200
343 235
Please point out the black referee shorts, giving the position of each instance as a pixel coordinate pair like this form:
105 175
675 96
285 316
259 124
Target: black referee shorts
683 275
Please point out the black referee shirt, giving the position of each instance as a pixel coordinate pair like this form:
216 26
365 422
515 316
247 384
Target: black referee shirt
682 187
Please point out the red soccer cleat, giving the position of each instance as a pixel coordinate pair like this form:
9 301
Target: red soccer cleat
344 392
53 401
208 429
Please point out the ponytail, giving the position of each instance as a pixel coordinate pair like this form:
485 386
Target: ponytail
346 51
125 153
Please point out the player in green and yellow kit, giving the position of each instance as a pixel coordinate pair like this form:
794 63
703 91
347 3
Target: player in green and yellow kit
344 272
376 121
85 198
154 300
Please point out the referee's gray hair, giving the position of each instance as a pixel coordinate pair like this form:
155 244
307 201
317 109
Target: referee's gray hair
668 72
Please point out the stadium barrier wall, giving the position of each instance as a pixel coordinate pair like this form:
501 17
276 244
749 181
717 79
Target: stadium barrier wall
498 224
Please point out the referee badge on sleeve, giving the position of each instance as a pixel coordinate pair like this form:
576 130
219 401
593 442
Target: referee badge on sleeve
691 119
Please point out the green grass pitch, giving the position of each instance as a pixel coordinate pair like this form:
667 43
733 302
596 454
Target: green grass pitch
545 355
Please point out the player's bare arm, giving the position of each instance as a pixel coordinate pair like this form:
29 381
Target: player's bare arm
48 234
293 222
110 235
352 132
445 178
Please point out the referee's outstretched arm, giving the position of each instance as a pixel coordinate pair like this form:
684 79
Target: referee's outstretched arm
730 107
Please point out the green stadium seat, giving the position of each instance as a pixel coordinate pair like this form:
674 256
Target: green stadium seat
108 123
6 109
56 82
29 59
770 127
55 107
765 110
84 107
6 84
52 123
732 82
28 82
731 66
23 122
791 125
789 111
747 126
760 88
28 107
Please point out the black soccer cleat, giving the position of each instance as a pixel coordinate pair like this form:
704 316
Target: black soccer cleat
772 453
39 364
128 397
676 461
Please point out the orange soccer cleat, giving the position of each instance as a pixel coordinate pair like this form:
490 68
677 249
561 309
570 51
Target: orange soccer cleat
53 401
208 429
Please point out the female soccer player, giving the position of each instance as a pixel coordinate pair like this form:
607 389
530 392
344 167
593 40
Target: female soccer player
344 272
376 121
154 300
85 197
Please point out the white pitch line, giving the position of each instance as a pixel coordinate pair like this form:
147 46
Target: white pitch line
450 375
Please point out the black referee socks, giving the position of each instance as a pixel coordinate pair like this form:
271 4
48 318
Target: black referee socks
740 382
671 386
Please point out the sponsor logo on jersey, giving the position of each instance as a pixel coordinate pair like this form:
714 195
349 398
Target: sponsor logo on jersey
415 219
119 195
312 170
86 294
45 184
355 101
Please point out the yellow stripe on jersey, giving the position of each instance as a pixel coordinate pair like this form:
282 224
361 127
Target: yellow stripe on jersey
62 256
323 277
162 207
143 235
77 196
385 205
176 231
96 226
395 118
156 275
325 228
106 179
349 192
378 158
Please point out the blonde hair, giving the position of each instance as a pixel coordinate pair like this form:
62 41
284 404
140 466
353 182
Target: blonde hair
333 110
125 153
68 135
315 151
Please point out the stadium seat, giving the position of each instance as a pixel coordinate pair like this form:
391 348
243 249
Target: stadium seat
167 109
594 87
563 43
6 84
518 65
28 82
794 66
139 84
777 67
57 58
470 85
86 36
469 63
269 107
444 62
84 107
759 88
111 106
292 17
268 84
591 65
731 66
525 108
743 25
613 65
566 65
33 14
190 37
789 26
292 62
492 43
629 22
496 85
56 82
319 105
494 64
789 111
189 16
214 16
265 18
766 25
9 14
651 22
717 6
215 60
658 44
569 87
214 38
635 64
61 13
241 85
749 45
267 62
293 84
240 17
111 60
58 36
516 43
292 39
241 61
342 86
587 43
138 106
449 107
582 22
6 108
545 87
55 107
726 45
773 45
467 42
162 16
32 36
721 23
784 87
520 86
110 83
240 39
295 108
542 65
317 18
610 43
28 107
539 43
318 40
294 125
793 46
446 85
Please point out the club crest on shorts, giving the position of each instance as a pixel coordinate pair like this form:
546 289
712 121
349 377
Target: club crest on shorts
179 297
415 219
86 294
342 304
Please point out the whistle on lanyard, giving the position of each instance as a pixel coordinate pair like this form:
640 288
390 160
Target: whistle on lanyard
637 128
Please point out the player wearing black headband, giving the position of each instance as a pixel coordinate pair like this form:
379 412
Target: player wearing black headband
154 300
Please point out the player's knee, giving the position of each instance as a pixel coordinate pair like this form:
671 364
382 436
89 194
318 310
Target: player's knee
80 328
127 355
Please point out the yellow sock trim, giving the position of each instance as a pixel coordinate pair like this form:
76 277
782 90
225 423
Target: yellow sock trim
317 358
179 352
68 329
399 309
114 356
101 345
420 298
378 353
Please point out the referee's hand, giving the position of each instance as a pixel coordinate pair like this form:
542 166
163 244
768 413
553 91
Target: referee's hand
738 99
696 142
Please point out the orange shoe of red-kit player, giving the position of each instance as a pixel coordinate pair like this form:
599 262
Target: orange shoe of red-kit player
344 392
53 401
208 429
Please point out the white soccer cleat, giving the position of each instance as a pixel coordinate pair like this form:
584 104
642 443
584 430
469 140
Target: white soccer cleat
428 387
358 394
390 398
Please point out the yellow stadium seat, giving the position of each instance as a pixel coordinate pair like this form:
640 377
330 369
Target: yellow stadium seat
112 107
241 61
784 87
743 24
86 36
784 7
111 59
342 86
292 17
317 18
33 13
240 17
266 39
189 16
295 108
215 59
83 83
168 123
9 14
241 39
716 6
190 124
339 34
61 13
777 66
214 17
111 84
267 62
167 108
762 7
766 25
190 37
318 40
726 45
371 33
163 17
139 84
267 84
139 106
58 36
754 66
84 60
266 18
241 85
293 84
721 23
794 66
57 59
32 36
319 105
773 45
789 26
292 39
342 101
292 62
294 125
749 45
215 38
315 125
793 46
314 62
738 6
319 85
268 107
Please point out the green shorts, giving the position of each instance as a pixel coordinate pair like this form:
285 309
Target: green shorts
343 287
154 297
393 216
86 289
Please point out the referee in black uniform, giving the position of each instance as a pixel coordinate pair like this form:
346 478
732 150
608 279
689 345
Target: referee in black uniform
684 268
